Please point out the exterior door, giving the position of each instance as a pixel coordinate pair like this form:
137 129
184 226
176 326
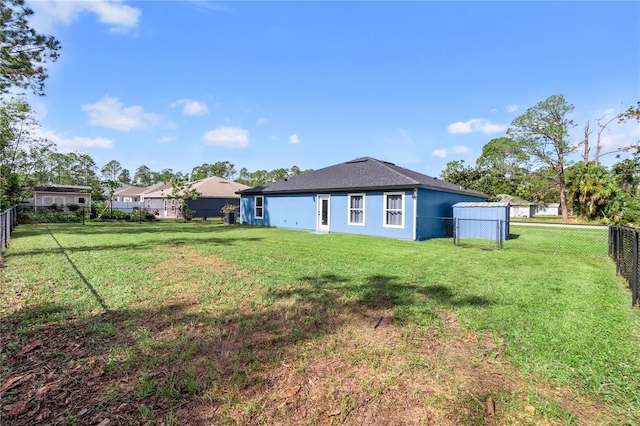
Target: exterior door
324 210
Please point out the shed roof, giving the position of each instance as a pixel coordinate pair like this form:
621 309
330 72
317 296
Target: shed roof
360 174
481 204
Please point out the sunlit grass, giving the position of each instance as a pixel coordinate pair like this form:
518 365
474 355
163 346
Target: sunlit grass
562 314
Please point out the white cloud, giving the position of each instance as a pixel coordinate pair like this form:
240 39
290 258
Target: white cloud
69 144
229 137
294 139
625 134
190 107
166 139
261 121
442 153
109 112
115 14
512 108
475 125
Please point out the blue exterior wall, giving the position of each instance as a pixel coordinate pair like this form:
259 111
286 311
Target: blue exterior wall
373 215
435 212
294 211
480 222
299 211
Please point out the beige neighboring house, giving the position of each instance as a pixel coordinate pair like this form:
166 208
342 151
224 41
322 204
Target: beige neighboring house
128 194
62 195
215 193
153 200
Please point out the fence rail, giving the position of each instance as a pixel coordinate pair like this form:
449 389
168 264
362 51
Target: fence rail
8 222
624 245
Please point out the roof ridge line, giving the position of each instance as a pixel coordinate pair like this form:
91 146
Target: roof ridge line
387 165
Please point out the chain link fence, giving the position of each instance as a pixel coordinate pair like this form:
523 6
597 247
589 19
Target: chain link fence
8 222
72 213
490 234
624 245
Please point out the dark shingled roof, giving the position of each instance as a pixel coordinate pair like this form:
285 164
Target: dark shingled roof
361 174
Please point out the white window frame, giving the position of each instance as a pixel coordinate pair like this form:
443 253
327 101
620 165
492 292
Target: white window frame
256 207
78 200
402 210
350 209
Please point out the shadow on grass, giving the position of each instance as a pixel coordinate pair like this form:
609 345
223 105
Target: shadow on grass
178 362
134 228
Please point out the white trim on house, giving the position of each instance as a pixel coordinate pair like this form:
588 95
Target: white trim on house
261 207
390 214
351 209
415 214
319 225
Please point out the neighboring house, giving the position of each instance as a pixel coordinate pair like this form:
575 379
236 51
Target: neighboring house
62 195
215 193
519 207
127 198
522 209
548 209
128 193
364 196
153 200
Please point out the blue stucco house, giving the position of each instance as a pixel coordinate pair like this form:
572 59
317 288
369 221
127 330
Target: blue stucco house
363 196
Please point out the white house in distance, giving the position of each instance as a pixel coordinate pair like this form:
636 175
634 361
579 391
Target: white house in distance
62 195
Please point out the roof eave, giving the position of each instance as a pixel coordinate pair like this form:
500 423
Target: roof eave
325 190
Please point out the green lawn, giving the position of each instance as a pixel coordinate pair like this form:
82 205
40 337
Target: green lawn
196 322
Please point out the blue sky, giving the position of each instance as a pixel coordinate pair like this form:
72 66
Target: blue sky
264 85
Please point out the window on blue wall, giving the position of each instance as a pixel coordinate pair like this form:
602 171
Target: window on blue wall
356 209
394 210
259 206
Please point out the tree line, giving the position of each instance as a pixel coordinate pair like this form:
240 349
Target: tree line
532 161
27 161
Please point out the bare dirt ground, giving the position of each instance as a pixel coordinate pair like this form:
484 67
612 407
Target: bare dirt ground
292 364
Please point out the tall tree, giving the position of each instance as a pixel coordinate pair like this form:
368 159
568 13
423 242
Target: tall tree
124 176
111 170
223 169
164 176
82 168
23 52
591 190
143 176
21 149
542 133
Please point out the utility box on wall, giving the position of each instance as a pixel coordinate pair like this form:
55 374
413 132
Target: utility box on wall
481 220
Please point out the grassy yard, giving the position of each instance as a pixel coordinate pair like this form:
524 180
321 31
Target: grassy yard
198 323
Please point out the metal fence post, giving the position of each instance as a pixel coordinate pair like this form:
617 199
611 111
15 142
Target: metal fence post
455 231
634 282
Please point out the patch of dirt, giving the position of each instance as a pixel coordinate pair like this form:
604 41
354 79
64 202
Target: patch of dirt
310 357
